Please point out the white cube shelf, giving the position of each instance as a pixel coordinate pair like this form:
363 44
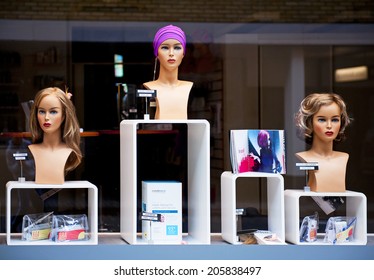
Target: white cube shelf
198 137
355 207
275 202
92 215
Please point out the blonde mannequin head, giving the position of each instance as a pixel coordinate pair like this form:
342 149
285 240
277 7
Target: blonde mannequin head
70 133
310 105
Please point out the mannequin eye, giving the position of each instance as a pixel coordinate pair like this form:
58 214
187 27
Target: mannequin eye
40 111
335 120
321 119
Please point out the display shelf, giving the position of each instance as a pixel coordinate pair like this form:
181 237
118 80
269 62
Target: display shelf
198 133
92 216
112 247
275 202
355 207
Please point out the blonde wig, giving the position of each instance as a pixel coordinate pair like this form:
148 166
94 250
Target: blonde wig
70 131
310 105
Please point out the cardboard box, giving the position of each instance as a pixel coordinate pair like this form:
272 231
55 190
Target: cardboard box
164 199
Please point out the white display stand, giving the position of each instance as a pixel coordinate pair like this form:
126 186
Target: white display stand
355 207
275 202
198 179
92 216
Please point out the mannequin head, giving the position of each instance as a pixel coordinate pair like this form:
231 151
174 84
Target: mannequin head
312 104
65 122
169 32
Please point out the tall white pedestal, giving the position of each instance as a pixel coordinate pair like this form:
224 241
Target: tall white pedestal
355 207
275 189
92 214
198 179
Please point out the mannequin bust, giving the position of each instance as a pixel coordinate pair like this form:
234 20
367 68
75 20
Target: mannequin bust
169 47
321 120
55 136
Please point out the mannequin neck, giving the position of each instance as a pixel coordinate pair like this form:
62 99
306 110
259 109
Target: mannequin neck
53 140
168 78
323 150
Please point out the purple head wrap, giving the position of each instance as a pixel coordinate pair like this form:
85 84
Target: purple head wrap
169 32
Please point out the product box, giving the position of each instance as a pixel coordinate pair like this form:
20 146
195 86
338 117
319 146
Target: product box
162 212
258 150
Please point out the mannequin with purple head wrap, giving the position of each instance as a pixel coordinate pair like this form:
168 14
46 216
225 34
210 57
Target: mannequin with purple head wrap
169 46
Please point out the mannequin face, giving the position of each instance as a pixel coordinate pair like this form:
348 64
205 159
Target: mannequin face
326 123
170 53
50 114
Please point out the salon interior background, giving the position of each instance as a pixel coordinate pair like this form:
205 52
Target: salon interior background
251 62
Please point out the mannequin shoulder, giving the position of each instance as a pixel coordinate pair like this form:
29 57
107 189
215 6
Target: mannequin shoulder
34 147
158 86
36 150
149 85
63 148
342 155
308 156
186 83
303 156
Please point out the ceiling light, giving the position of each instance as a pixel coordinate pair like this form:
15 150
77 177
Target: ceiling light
351 74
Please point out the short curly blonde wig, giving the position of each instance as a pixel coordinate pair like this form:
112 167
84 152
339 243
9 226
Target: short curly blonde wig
310 105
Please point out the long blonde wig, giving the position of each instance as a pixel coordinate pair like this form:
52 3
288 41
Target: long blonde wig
70 132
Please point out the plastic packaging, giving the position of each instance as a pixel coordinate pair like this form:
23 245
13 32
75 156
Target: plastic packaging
69 228
36 226
340 229
309 228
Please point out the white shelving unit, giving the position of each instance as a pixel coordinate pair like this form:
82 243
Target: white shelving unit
92 215
355 207
198 180
275 202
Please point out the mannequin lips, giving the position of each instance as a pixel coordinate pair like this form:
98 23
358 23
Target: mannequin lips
329 133
46 124
171 60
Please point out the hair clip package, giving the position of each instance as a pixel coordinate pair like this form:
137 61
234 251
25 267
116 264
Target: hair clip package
340 229
309 228
36 226
69 228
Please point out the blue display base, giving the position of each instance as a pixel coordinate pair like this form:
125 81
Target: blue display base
221 251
